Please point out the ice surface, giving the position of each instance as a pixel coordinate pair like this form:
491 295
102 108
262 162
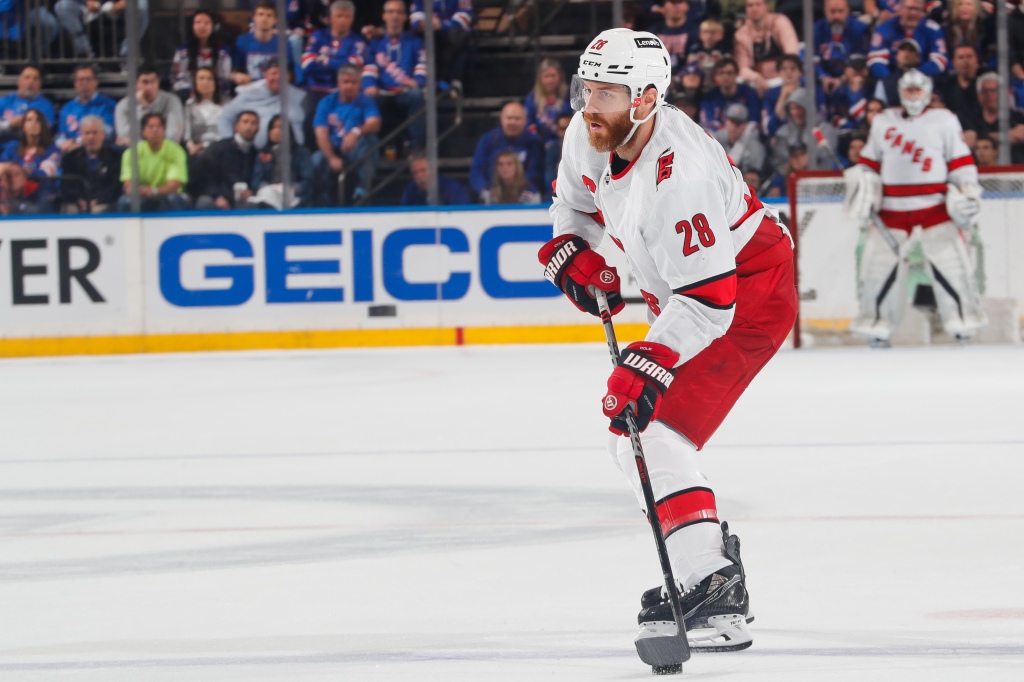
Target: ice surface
451 514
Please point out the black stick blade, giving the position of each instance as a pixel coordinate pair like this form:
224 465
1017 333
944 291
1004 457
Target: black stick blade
662 651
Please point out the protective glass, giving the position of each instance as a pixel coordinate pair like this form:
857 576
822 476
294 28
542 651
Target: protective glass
597 97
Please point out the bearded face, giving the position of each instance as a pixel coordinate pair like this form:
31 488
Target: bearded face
608 132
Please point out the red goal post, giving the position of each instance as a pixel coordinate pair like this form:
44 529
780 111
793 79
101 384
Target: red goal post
827 244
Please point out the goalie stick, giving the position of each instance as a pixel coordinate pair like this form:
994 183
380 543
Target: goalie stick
883 231
667 654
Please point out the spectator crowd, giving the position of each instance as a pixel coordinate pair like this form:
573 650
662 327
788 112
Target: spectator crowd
211 127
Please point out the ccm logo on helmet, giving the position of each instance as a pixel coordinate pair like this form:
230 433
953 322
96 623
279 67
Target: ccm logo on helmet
587 62
647 42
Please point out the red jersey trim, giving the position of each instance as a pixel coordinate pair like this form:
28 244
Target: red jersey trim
597 217
697 285
611 155
908 220
914 190
753 206
629 166
960 162
686 507
717 292
870 163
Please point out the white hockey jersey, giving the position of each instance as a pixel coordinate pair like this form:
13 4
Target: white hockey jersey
680 212
916 158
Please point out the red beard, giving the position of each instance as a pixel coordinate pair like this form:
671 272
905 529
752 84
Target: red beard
612 134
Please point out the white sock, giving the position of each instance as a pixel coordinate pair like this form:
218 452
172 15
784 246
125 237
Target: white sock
694 544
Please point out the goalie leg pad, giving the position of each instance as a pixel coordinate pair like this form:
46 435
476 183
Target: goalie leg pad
955 287
882 285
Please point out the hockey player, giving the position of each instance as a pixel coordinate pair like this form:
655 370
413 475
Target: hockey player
917 177
716 270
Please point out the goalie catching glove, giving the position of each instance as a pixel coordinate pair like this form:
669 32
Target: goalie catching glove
644 373
572 266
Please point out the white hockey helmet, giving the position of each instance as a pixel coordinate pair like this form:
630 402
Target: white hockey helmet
619 56
914 79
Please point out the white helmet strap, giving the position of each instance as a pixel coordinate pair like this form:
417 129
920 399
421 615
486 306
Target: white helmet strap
636 123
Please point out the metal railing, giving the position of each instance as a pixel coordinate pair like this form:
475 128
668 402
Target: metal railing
375 185
66 33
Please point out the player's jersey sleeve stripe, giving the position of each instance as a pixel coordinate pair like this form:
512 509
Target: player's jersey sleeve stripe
914 190
710 304
960 162
685 508
597 216
880 56
753 206
718 292
870 163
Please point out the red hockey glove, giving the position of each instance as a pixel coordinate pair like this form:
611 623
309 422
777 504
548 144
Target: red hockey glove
572 266
644 373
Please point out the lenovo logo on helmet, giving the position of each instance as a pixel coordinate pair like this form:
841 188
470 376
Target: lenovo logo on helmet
647 42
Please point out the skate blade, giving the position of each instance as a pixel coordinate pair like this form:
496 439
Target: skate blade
723 634
660 646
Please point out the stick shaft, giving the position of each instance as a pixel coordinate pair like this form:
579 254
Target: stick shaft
645 479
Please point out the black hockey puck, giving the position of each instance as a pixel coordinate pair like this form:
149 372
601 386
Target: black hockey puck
667 669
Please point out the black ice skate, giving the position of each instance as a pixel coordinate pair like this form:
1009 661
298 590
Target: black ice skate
716 610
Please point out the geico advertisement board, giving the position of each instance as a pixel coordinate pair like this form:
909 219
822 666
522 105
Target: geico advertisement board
350 271
69 277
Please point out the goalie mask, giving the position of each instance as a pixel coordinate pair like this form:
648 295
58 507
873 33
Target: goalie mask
915 102
615 70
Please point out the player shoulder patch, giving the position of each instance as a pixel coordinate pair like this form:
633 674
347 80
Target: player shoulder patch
665 165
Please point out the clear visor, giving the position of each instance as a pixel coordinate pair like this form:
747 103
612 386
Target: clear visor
596 97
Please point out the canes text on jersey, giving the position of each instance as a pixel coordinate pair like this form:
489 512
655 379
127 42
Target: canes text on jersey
908 147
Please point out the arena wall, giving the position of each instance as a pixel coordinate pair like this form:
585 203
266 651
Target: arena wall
254 280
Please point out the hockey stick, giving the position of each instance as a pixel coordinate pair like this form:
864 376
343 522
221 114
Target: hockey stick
666 654
883 231
823 142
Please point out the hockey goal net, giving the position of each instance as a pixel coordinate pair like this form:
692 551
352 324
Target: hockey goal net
828 248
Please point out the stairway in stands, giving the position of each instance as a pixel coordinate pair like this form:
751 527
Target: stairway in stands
502 68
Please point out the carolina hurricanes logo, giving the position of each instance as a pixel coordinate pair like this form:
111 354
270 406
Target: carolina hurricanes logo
598 44
589 184
607 277
610 402
665 167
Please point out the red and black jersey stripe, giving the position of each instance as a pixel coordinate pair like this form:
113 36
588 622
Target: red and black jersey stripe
718 292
